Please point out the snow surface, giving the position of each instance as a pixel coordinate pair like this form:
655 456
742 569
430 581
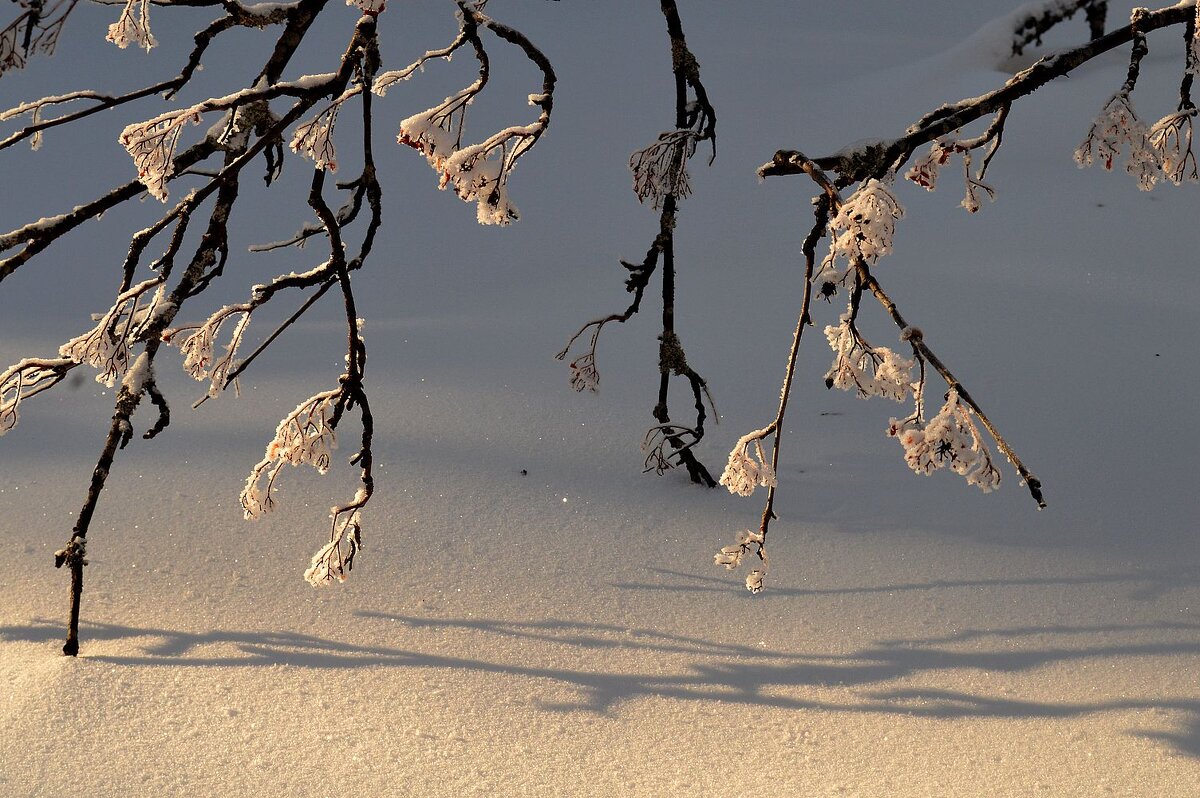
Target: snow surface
533 616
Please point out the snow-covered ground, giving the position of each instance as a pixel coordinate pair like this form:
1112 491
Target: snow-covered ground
534 616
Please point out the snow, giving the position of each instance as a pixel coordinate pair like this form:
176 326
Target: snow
532 615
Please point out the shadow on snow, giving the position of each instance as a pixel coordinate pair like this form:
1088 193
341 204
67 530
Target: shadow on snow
711 671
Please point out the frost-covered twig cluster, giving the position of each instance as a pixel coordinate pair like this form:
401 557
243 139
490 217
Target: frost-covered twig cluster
269 111
1153 153
861 227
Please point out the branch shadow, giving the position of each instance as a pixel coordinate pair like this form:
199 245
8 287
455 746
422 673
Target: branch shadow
712 672
1146 585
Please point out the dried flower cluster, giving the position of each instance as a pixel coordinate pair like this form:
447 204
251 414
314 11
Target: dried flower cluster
152 143
106 347
925 170
314 139
661 169
305 436
743 472
199 346
949 439
335 559
1170 140
866 370
133 26
1117 129
862 228
731 557
479 172
27 378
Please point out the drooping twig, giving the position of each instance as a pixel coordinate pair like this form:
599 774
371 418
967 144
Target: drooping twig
660 175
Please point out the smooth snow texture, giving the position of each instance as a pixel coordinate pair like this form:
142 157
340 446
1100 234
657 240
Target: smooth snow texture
530 614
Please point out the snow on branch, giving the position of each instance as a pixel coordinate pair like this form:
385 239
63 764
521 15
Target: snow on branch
479 172
1035 19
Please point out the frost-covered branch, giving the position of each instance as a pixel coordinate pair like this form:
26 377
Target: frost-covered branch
877 158
1039 17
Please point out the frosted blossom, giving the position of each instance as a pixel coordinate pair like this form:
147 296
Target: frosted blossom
304 437
1115 129
151 144
24 379
864 225
754 580
314 139
198 347
133 26
744 473
105 347
869 371
331 563
949 439
924 171
478 173
1170 139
